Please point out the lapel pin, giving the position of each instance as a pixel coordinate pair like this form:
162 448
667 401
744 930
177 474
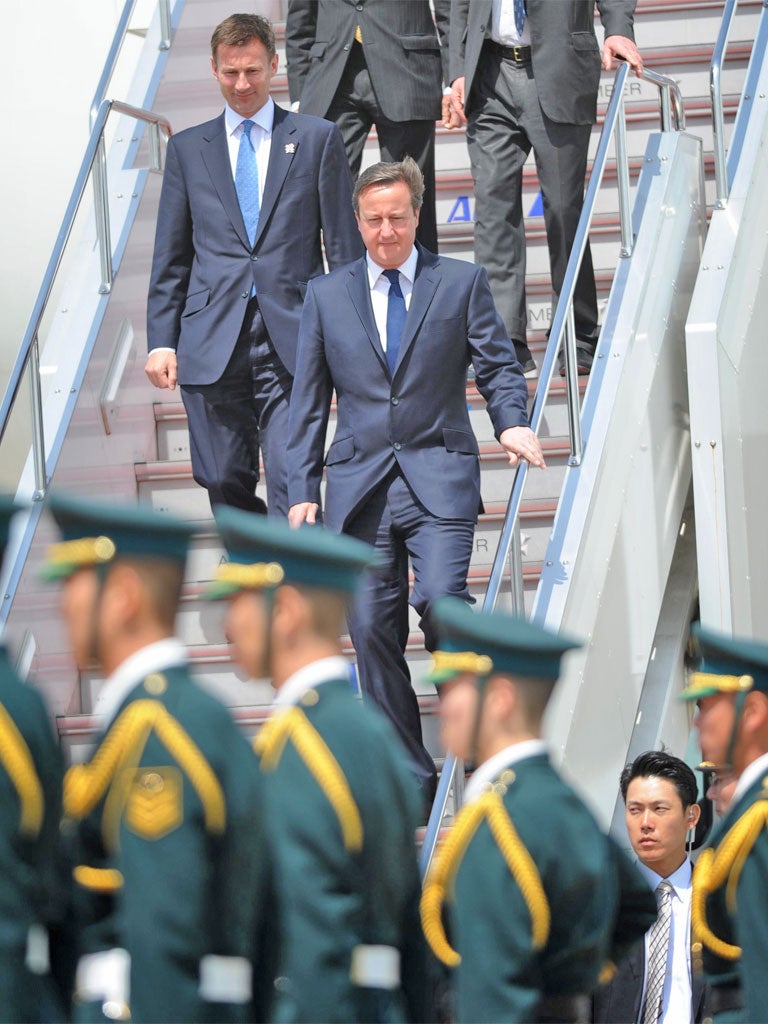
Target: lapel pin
290 147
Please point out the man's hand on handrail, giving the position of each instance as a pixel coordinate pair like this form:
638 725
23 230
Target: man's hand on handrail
520 443
621 48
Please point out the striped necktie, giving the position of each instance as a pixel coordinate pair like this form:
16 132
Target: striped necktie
658 954
247 182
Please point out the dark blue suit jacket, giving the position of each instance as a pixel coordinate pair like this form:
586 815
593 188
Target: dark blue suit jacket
419 419
204 267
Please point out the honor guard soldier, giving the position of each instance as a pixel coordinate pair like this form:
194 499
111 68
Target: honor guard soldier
341 805
32 887
166 813
729 908
530 888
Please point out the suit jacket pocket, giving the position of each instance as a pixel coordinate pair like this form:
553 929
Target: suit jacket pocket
584 41
340 451
317 50
460 441
196 301
420 43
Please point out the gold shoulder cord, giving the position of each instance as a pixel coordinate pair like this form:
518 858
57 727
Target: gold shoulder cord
113 764
441 878
723 866
292 724
17 760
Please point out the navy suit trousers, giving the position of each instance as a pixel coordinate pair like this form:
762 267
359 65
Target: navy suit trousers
395 522
246 409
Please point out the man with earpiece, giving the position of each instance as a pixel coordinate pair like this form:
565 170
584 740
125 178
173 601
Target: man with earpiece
655 982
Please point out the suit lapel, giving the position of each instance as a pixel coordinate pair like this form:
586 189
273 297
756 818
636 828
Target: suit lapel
215 155
285 144
359 290
424 288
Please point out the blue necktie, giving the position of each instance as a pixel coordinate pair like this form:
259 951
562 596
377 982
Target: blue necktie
519 13
395 318
247 182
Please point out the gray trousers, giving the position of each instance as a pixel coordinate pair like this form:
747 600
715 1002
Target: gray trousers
505 122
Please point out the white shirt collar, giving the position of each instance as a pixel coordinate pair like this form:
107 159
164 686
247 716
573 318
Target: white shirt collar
749 777
489 770
407 269
680 879
155 657
315 674
264 118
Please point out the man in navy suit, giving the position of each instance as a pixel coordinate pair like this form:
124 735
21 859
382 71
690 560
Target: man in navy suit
246 200
393 334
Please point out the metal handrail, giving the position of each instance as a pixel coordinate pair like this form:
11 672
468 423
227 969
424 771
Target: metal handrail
117 44
722 187
29 351
672 117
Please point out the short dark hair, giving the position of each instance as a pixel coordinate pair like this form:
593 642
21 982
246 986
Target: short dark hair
664 766
381 174
239 29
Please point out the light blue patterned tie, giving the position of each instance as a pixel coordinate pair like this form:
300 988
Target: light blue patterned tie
519 12
247 182
395 318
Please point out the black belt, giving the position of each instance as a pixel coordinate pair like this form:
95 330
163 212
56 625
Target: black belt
723 999
563 1009
517 54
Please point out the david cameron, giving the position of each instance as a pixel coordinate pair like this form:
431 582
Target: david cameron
393 334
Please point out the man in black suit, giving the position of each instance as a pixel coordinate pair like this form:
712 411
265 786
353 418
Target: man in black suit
247 200
654 982
393 334
525 75
366 62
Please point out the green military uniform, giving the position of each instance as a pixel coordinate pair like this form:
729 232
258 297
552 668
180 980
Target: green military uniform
527 884
729 906
166 815
342 809
32 889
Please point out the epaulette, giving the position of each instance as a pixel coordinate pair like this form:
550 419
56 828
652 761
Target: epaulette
16 758
488 807
151 797
723 866
292 724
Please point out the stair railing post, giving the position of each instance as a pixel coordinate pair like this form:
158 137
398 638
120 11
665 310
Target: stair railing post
38 429
572 388
622 180
101 210
516 571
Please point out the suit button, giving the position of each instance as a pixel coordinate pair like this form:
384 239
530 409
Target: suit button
397 446
245 295
346 46
359 7
395 400
254 257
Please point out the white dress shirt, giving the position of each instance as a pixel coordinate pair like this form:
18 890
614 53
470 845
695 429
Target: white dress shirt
503 28
380 290
156 657
261 138
749 777
676 996
311 676
490 770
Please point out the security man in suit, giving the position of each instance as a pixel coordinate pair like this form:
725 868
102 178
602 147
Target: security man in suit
393 334
525 75
165 816
250 202
729 913
33 887
374 62
342 806
526 883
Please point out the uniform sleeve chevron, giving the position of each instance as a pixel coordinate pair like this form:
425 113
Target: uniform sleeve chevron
17 760
121 750
292 724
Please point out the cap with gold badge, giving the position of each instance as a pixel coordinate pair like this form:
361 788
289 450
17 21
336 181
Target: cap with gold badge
265 552
487 643
728 665
95 533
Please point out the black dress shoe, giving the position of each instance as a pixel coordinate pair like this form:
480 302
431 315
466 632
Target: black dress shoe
524 357
584 360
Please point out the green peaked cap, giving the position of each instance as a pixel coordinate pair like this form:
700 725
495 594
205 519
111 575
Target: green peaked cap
265 551
728 664
95 533
498 643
